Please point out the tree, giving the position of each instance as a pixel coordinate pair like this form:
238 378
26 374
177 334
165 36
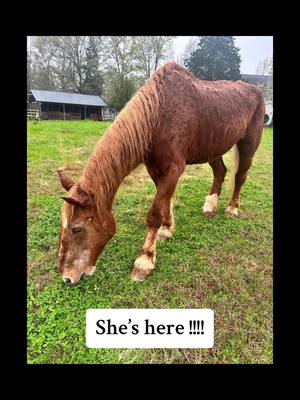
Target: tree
29 72
41 68
77 63
80 63
120 64
119 91
189 49
216 57
29 65
68 63
271 67
93 83
265 67
119 54
150 51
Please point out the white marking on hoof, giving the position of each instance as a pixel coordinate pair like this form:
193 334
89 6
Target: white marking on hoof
164 233
142 267
144 263
232 210
210 205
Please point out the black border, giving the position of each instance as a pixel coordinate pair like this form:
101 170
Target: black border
16 169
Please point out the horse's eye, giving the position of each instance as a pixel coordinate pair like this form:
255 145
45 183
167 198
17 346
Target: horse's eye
77 229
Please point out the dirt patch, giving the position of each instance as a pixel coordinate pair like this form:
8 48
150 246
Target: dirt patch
137 177
264 267
196 290
41 280
40 271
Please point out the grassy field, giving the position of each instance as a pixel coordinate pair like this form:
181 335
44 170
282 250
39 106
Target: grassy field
224 264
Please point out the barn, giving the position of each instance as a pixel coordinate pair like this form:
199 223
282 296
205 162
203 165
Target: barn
66 106
256 79
262 80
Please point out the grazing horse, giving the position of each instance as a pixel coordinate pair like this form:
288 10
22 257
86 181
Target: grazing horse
173 120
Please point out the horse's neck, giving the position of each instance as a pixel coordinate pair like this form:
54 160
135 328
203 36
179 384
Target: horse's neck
125 144
111 162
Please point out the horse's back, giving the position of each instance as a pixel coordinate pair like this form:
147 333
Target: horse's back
203 119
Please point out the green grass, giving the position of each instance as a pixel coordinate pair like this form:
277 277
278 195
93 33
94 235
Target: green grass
224 264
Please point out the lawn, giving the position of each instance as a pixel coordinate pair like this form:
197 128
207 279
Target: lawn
224 264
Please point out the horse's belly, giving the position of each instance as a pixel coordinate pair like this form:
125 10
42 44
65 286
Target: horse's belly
202 151
204 157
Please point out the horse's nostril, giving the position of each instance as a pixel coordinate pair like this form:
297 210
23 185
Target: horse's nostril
67 280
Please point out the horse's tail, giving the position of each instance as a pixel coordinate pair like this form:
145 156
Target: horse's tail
234 168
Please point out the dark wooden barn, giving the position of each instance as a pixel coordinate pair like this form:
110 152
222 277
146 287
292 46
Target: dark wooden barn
66 106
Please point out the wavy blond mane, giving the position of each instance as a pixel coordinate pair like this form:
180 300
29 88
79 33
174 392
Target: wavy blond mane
125 144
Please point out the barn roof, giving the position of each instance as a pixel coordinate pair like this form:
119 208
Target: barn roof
67 98
257 79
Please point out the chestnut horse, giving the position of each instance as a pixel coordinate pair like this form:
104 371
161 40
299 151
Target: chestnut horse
173 120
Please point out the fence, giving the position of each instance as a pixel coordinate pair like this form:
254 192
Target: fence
33 114
109 115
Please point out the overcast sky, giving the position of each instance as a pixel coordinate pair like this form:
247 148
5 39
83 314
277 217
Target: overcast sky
253 49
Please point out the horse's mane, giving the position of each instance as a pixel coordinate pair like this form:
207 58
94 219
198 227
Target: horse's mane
126 142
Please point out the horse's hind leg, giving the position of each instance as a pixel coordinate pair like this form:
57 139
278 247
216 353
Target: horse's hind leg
245 162
247 147
211 200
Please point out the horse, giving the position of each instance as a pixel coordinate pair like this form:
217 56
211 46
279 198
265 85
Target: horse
175 119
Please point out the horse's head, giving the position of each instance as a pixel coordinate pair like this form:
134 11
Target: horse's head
84 233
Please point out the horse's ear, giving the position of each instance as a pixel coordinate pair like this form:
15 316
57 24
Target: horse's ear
66 182
79 198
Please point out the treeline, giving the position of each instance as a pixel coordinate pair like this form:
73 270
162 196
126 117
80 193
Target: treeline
113 67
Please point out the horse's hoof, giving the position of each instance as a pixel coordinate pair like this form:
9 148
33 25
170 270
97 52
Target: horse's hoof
232 211
210 206
138 275
164 233
209 214
143 266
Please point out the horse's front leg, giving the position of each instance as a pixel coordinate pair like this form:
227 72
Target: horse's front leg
168 225
145 263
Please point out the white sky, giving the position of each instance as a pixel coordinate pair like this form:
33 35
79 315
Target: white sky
253 49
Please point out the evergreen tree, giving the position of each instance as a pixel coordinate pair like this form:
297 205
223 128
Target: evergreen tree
93 83
216 57
120 92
